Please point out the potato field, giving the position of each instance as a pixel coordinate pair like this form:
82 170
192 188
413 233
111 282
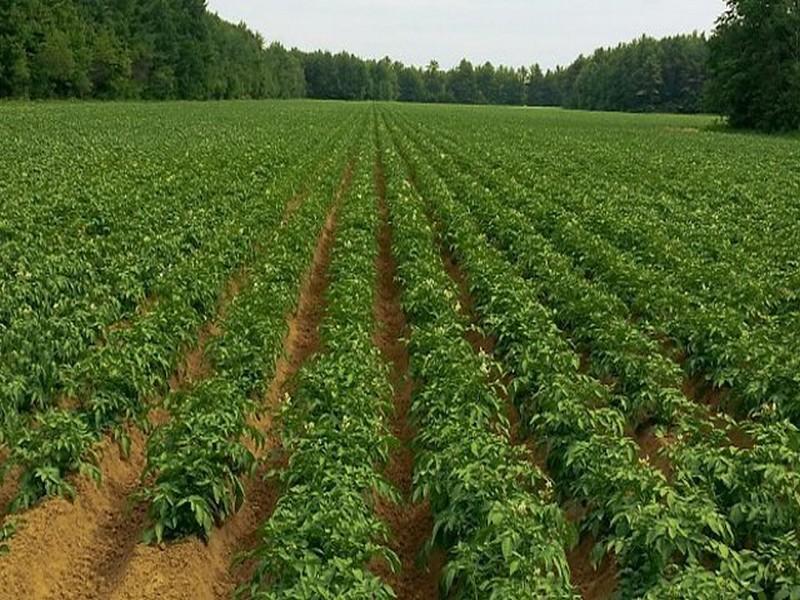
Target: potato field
318 350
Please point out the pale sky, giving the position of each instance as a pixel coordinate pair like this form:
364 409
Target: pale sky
511 32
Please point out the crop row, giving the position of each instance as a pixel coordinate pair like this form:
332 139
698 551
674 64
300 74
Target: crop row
197 461
691 210
115 380
714 333
493 509
691 499
754 360
324 532
754 485
753 482
89 249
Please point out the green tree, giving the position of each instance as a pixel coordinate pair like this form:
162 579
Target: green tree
410 84
486 83
510 86
383 80
54 66
462 84
15 73
534 87
435 83
110 70
755 64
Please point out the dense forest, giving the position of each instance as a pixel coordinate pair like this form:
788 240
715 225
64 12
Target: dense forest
160 49
175 49
152 49
667 75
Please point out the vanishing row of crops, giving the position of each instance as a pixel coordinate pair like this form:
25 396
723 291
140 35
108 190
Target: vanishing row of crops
602 338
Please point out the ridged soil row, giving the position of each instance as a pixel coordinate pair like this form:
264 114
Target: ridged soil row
301 343
594 583
190 568
87 542
410 523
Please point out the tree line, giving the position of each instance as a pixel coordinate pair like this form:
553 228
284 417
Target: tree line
170 49
748 70
645 75
150 49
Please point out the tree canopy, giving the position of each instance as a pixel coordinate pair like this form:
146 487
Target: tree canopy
152 49
168 49
755 64
645 75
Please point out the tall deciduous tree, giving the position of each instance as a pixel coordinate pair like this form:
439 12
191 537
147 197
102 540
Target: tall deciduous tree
755 64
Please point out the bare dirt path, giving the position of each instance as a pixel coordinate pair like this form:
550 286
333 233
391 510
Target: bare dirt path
59 543
598 583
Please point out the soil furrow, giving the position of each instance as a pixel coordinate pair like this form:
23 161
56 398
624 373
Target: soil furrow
593 583
195 366
301 343
97 528
410 524
88 542
598 582
190 569
483 342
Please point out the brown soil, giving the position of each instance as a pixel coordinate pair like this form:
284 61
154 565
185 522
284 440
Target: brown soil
650 448
78 546
158 416
669 348
593 583
302 339
291 207
697 389
485 343
86 543
90 546
195 365
479 341
718 402
410 524
191 568
65 402
8 486
740 439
